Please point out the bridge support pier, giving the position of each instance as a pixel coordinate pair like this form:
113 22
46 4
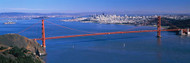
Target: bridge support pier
188 33
181 32
159 27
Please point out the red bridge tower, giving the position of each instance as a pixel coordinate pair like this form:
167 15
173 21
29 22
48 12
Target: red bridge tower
43 35
159 27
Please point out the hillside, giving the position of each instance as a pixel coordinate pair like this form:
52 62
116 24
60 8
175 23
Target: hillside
172 23
15 48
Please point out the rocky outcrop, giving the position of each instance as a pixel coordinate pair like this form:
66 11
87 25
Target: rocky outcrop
22 42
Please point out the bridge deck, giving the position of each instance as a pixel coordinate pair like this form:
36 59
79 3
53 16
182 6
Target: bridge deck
107 33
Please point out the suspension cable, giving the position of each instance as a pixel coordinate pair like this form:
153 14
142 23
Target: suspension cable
170 23
68 27
133 28
28 27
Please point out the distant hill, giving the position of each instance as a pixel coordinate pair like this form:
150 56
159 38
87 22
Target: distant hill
18 14
45 14
180 23
130 13
172 23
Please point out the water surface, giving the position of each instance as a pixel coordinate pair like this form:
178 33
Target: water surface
117 48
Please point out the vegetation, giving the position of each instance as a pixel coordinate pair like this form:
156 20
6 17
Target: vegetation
19 49
19 55
172 23
6 60
1 48
180 23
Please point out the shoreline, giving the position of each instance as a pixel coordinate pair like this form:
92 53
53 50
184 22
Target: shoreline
164 27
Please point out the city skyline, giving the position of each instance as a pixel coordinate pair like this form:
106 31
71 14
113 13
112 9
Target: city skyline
78 6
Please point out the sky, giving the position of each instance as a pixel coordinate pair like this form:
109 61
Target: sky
78 6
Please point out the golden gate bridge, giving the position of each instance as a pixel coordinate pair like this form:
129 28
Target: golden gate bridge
44 38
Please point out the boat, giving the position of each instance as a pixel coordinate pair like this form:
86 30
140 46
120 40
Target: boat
10 22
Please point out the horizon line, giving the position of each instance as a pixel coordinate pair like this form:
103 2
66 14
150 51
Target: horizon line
98 12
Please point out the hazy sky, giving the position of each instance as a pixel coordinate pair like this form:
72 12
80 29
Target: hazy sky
74 6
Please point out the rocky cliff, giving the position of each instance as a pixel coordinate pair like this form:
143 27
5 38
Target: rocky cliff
16 44
21 42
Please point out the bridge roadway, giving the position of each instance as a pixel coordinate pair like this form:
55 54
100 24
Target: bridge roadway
107 33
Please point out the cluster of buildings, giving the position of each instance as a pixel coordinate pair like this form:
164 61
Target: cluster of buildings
125 19
106 19
114 19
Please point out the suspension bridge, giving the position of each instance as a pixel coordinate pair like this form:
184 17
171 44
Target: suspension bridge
159 29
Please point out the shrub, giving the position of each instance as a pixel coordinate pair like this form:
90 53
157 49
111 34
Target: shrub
20 55
1 48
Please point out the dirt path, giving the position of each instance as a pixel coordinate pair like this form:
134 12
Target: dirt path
6 49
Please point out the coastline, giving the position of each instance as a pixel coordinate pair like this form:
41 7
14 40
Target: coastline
164 27
20 47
